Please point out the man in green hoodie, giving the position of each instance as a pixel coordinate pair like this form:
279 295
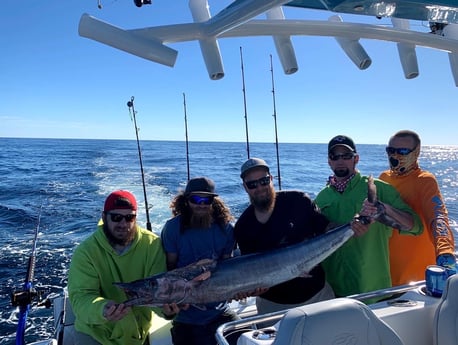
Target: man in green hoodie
118 251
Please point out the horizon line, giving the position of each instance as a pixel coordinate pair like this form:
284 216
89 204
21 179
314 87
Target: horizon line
200 141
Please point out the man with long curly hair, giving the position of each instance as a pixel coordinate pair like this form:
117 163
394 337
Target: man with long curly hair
200 229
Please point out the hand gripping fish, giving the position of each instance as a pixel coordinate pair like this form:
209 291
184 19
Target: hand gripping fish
209 281
381 216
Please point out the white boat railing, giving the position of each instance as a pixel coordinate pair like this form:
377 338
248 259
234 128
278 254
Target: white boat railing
387 292
250 323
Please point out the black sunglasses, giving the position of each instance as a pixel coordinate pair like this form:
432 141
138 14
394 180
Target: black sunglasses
263 181
201 200
403 151
345 156
116 217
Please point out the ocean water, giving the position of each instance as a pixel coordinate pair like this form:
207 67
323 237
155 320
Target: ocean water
67 181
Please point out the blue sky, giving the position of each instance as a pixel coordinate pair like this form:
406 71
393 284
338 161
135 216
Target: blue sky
56 84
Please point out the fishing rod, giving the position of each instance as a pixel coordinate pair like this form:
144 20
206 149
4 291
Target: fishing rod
244 105
130 104
23 299
275 121
186 134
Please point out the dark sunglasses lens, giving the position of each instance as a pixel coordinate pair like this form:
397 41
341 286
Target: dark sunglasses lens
201 200
403 151
344 156
263 181
116 217
251 184
130 217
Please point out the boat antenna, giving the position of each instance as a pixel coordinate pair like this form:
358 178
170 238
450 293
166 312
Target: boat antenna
244 105
130 104
186 134
275 121
23 299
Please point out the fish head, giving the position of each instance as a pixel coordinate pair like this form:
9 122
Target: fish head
141 292
157 290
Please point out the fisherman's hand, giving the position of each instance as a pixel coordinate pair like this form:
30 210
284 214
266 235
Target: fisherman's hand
114 312
448 261
359 227
170 310
256 292
368 209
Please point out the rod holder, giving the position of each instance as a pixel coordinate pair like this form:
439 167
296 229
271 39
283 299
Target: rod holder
115 37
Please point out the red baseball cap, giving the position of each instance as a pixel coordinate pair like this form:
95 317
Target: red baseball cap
120 199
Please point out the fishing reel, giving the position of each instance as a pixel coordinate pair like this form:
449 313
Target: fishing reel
139 3
28 297
437 28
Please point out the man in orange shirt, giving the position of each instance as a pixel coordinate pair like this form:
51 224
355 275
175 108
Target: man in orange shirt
410 255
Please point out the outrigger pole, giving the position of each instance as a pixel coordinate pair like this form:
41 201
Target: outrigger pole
24 298
186 134
275 121
130 104
244 105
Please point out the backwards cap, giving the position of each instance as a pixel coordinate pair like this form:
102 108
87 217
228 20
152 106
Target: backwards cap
120 199
200 185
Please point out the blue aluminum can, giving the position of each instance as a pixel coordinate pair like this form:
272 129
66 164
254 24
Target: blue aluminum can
435 277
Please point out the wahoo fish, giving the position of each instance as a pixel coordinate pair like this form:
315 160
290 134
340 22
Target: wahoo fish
210 281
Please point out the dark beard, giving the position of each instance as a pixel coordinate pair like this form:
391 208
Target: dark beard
342 172
264 204
116 241
201 221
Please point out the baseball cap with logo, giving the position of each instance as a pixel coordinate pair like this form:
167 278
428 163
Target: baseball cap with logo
341 140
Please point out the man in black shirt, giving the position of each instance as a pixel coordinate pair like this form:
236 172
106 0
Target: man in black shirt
274 220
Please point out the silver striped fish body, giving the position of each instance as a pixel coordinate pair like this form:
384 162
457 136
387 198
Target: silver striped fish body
236 275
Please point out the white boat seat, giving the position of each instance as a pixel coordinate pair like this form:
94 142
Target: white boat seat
446 316
338 321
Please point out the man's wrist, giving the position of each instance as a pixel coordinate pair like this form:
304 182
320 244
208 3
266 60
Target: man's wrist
168 313
168 316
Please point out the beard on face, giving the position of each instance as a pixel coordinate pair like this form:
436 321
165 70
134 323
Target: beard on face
263 202
342 172
118 241
203 220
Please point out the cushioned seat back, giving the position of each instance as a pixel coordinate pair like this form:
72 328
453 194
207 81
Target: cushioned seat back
338 321
446 317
